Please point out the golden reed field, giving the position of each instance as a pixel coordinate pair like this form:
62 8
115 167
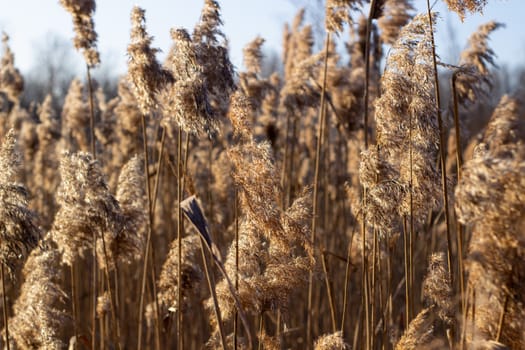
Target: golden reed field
368 200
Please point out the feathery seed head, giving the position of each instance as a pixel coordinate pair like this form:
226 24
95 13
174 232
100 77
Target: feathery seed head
473 79
395 15
144 71
437 287
338 13
419 333
85 34
208 27
11 81
128 244
186 100
87 208
39 312
19 232
332 341
192 275
253 55
461 7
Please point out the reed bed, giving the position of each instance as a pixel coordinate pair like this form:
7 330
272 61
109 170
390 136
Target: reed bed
337 204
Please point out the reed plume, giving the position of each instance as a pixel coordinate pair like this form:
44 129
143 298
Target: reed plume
144 71
407 133
333 341
19 230
437 288
271 265
192 275
87 208
186 100
75 119
395 15
473 79
338 13
213 56
130 239
39 311
46 162
420 332
490 199
11 80
461 7
85 35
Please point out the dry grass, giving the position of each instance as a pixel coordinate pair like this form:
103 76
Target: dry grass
315 227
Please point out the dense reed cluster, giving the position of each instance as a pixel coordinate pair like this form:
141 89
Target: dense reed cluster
315 207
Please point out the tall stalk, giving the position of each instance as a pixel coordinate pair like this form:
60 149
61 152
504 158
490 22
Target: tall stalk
91 114
4 299
147 247
116 325
407 273
74 302
347 277
329 293
236 317
410 276
502 317
94 297
322 117
179 238
459 165
366 291
367 68
211 285
441 145
94 153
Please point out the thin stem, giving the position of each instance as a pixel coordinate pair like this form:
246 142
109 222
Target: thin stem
464 321
94 291
261 328
236 317
179 237
160 163
94 153
364 274
148 229
74 302
407 278
365 126
116 325
322 117
4 299
459 164
410 275
91 114
329 292
441 145
211 285
117 289
357 328
152 251
285 161
502 317
347 277
367 69
459 155
373 285
473 324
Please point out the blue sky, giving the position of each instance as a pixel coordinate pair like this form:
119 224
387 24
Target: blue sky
28 22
